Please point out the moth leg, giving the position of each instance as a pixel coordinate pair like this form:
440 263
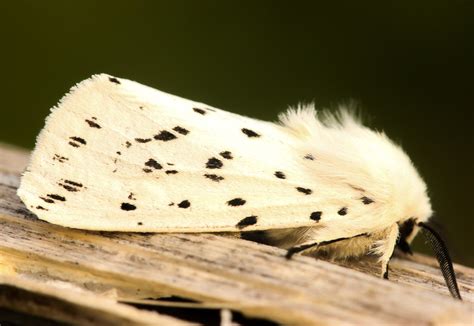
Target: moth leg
297 249
387 248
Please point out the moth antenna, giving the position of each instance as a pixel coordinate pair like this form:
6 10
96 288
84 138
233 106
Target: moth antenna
444 260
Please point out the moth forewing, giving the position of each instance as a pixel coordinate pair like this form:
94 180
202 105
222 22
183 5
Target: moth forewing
116 155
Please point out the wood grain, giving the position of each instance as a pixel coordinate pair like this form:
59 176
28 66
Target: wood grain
69 305
245 276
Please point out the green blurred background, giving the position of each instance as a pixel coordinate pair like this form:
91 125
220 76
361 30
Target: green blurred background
409 64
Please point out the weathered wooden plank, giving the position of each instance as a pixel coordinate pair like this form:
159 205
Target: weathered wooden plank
419 271
246 276
70 305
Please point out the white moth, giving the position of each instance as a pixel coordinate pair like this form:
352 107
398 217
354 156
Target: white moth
116 155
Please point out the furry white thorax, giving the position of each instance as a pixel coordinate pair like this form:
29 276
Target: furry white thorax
352 153
368 161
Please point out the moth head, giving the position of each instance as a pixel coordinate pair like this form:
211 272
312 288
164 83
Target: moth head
407 231
417 210
411 199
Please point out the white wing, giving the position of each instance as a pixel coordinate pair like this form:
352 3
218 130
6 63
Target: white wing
117 155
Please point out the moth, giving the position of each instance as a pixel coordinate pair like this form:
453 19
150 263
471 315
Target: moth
116 155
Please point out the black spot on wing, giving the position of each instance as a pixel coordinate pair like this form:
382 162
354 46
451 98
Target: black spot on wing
93 124
200 111
214 163
309 157
60 158
184 204
152 163
280 175
214 177
128 144
227 155
57 197
236 202
118 153
114 80
342 211
139 223
47 200
357 188
249 220
68 188
73 183
131 196
305 191
181 130
143 140
77 141
171 172
250 133
367 200
41 208
128 207
165 135
316 216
